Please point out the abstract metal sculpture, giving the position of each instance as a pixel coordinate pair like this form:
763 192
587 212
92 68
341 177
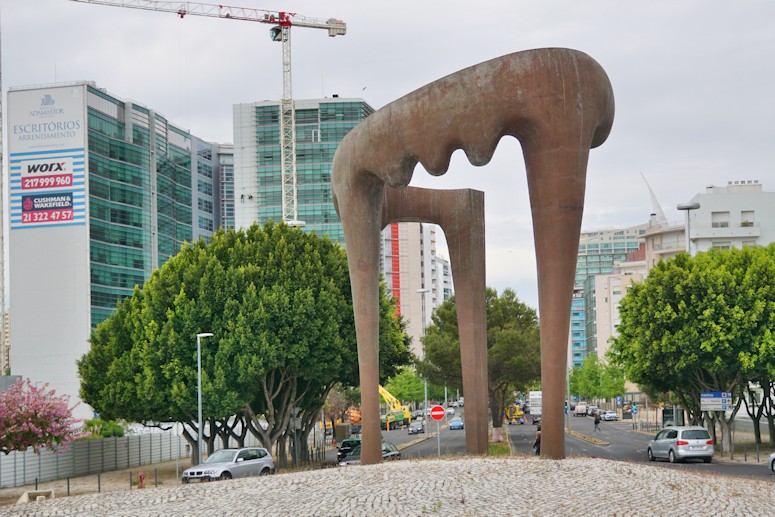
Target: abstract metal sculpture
559 104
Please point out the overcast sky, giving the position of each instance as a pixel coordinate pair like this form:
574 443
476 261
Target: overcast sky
694 82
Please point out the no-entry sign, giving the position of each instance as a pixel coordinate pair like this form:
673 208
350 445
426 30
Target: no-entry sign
438 413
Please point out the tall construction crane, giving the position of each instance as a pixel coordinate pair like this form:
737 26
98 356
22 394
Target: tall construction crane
282 22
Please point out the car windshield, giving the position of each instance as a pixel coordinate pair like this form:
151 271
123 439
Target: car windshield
355 452
696 434
222 456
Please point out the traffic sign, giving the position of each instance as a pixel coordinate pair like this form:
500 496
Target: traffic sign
438 412
715 400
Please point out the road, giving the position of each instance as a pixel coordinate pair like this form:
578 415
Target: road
622 443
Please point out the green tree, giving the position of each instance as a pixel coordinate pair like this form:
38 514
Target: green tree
278 302
701 323
595 379
407 386
513 349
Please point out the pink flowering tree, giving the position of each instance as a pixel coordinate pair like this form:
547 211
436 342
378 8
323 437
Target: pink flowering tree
36 417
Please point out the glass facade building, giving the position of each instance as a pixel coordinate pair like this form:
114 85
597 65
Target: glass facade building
258 192
102 191
599 252
152 187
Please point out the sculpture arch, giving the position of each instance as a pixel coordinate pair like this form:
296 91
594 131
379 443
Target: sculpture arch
559 104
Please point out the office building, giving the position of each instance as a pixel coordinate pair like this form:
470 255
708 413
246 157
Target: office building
258 189
102 191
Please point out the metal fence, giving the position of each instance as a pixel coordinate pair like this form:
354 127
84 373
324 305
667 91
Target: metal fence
95 456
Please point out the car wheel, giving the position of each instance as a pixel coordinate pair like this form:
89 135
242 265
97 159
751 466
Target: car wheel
264 472
650 454
671 457
707 460
772 466
225 476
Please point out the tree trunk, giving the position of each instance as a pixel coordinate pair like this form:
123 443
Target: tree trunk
726 433
191 439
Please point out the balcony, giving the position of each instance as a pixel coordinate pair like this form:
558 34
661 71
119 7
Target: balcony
726 230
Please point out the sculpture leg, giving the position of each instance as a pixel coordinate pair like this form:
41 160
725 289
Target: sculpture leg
465 238
361 216
556 181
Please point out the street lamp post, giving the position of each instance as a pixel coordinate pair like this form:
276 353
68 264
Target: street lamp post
199 391
688 207
425 402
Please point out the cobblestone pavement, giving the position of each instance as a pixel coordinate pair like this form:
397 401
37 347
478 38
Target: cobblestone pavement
463 486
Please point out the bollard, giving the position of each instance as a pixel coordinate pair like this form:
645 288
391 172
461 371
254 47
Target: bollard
130 480
757 453
745 453
99 485
155 477
68 487
36 484
141 479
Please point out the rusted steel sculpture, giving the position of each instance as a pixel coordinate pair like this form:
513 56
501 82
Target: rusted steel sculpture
559 104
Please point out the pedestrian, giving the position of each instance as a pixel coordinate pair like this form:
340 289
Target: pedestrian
537 442
597 421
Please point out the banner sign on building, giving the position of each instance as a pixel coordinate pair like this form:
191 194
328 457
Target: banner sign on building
47 157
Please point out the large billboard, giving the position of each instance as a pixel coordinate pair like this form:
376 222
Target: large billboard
46 134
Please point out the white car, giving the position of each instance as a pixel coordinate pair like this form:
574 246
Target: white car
232 463
680 443
610 415
450 411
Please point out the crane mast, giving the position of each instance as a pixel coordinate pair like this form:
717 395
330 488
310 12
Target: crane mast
282 22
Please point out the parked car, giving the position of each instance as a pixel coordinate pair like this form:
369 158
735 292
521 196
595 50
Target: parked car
450 411
772 462
680 443
581 410
231 463
417 413
346 446
456 423
610 415
417 427
389 453
355 429
592 410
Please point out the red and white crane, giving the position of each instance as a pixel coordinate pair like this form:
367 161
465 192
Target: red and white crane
282 22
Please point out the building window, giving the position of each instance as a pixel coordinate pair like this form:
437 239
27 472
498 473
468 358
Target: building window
719 219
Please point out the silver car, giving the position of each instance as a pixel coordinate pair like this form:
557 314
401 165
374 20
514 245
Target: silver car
231 463
681 443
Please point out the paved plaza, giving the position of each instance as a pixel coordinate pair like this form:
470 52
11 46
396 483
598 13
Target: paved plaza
456 486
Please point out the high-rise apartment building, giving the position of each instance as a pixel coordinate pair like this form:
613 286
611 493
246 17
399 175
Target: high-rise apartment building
416 276
599 251
102 191
258 189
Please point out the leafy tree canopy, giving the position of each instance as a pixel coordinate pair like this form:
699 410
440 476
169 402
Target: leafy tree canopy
513 348
279 304
703 323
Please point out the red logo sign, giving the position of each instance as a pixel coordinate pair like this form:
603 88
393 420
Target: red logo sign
438 413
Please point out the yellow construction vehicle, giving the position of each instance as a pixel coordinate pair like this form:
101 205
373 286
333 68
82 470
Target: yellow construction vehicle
398 415
513 414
